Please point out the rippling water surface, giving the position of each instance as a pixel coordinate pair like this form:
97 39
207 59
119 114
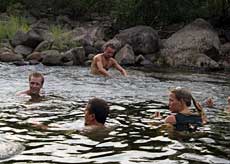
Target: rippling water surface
133 135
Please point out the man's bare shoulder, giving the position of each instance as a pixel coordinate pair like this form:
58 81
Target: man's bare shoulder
98 56
21 93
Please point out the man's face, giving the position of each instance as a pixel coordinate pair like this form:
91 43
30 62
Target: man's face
109 52
35 84
174 104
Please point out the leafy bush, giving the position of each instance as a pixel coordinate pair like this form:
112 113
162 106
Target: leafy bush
62 40
10 27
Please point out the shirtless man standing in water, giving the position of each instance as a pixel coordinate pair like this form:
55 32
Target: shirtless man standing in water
102 62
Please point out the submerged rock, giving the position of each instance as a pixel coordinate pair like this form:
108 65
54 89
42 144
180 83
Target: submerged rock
9 149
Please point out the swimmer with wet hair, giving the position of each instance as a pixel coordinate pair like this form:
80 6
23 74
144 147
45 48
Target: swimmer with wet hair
36 81
183 119
96 112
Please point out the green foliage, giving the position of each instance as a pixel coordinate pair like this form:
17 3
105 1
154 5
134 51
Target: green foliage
56 31
15 9
125 12
62 40
10 27
4 4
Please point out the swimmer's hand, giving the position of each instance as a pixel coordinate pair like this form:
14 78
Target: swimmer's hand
209 102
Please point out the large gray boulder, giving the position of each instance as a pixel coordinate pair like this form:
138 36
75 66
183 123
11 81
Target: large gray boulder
10 57
143 39
38 33
225 55
125 56
196 45
77 55
87 34
52 58
24 50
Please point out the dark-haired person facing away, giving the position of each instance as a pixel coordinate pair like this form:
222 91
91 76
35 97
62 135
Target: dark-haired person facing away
183 118
102 62
36 81
96 113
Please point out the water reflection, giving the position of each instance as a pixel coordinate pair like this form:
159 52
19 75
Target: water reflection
132 136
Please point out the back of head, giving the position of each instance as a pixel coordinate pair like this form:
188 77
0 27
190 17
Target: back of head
99 108
183 94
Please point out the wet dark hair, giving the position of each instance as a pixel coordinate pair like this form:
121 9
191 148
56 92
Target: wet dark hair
99 108
36 74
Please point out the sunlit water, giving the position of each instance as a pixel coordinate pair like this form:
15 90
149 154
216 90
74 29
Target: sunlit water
132 136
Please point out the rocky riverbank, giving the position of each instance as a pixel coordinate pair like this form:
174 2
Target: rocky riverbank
193 46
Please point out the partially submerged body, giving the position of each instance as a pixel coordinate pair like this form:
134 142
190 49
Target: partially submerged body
211 104
103 62
36 81
182 118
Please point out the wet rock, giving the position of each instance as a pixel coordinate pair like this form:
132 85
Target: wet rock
90 56
33 62
24 50
87 34
90 50
143 39
225 56
139 59
9 149
207 140
77 55
196 45
44 45
125 56
51 58
19 38
37 56
20 63
99 44
10 57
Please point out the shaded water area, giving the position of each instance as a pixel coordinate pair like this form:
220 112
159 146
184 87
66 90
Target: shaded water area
133 135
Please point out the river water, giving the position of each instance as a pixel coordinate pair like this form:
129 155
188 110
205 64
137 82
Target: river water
133 135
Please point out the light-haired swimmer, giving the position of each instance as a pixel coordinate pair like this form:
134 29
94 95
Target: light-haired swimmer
102 62
36 81
183 118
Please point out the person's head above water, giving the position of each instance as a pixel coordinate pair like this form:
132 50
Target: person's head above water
36 81
109 51
96 112
179 98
